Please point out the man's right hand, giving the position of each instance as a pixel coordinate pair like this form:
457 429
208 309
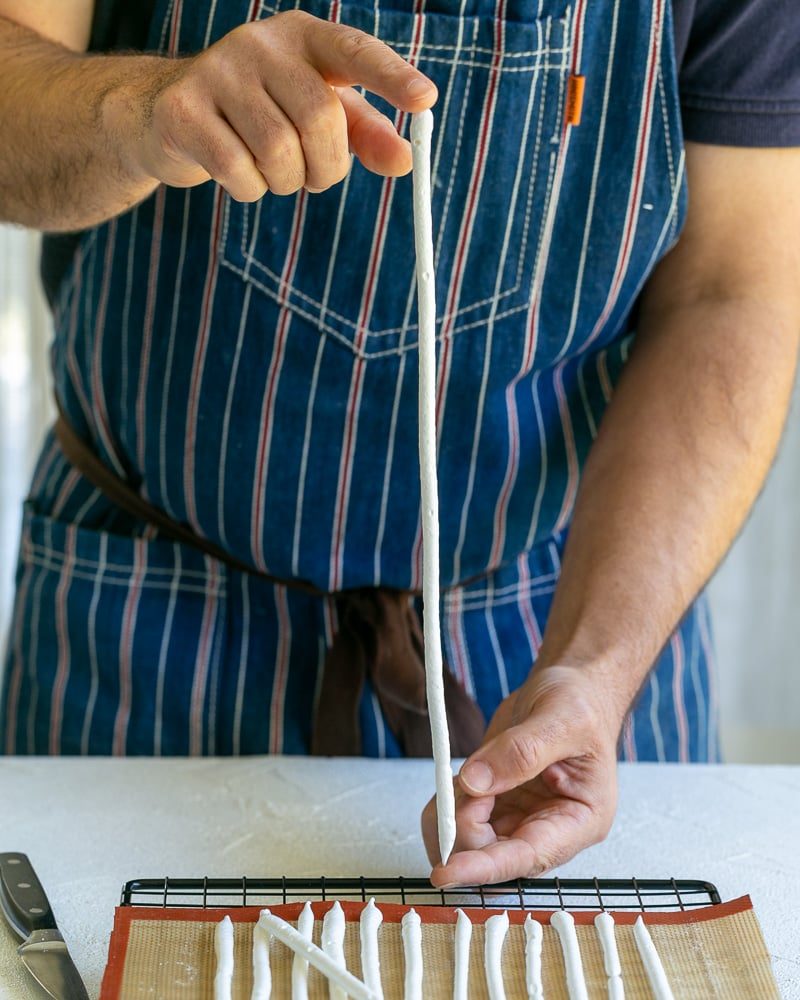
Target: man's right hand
270 107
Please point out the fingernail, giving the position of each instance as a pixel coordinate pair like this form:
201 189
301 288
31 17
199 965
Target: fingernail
448 885
418 88
477 776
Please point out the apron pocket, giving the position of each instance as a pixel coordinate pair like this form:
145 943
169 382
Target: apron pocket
344 259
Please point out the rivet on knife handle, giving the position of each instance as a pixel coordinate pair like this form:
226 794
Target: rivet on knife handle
22 897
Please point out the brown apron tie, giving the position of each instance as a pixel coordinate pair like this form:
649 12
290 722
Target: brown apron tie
379 637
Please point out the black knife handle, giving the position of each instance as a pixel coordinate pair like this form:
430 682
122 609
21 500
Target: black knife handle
22 897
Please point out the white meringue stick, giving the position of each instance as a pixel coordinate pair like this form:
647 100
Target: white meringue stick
533 958
461 971
421 130
223 950
564 925
604 925
287 934
411 932
333 928
656 975
496 928
262 973
305 927
370 921
616 991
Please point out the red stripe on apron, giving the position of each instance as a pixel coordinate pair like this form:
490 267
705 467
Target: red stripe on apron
199 361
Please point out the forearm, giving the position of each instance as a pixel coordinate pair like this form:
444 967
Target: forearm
682 452
270 106
63 153
681 455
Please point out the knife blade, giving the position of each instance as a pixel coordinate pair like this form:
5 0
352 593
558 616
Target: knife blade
27 910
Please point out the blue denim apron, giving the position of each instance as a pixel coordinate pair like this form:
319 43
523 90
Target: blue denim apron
253 368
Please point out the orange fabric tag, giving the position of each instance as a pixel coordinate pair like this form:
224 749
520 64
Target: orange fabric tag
575 88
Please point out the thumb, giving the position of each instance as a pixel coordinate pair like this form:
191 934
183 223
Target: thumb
513 757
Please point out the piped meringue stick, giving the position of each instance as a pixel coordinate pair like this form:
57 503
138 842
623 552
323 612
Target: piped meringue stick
564 925
533 958
370 921
659 983
411 931
604 925
333 928
421 130
496 928
223 949
285 933
305 926
461 971
262 974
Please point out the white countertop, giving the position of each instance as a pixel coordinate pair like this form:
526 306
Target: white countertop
88 825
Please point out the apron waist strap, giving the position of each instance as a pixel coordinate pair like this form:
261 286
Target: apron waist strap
81 457
379 637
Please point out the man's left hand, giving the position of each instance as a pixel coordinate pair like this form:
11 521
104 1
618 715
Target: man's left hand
541 788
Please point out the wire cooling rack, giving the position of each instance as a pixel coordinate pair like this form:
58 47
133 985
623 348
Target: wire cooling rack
646 895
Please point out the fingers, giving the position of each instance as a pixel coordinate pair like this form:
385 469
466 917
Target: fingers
372 137
474 825
538 845
346 56
200 137
497 862
316 117
271 137
258 110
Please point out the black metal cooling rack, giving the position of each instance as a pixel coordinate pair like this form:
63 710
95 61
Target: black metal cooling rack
646 895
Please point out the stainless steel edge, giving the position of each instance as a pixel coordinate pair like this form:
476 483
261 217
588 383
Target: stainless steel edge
48 960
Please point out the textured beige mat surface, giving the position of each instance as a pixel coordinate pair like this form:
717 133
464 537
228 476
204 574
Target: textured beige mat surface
168 954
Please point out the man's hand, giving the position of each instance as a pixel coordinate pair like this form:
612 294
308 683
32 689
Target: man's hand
541 788
270 107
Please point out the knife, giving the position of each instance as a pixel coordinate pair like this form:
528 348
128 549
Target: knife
25 907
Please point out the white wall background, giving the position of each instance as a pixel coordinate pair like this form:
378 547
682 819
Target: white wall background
755 596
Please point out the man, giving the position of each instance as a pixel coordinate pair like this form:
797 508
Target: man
240 355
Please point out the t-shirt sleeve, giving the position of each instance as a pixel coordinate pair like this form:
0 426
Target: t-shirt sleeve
739 75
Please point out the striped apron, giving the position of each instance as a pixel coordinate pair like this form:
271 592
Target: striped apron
252 370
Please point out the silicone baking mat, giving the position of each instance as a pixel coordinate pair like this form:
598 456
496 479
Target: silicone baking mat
166 950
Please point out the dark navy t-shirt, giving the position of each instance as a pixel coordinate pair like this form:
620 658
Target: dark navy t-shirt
739 77
739 71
